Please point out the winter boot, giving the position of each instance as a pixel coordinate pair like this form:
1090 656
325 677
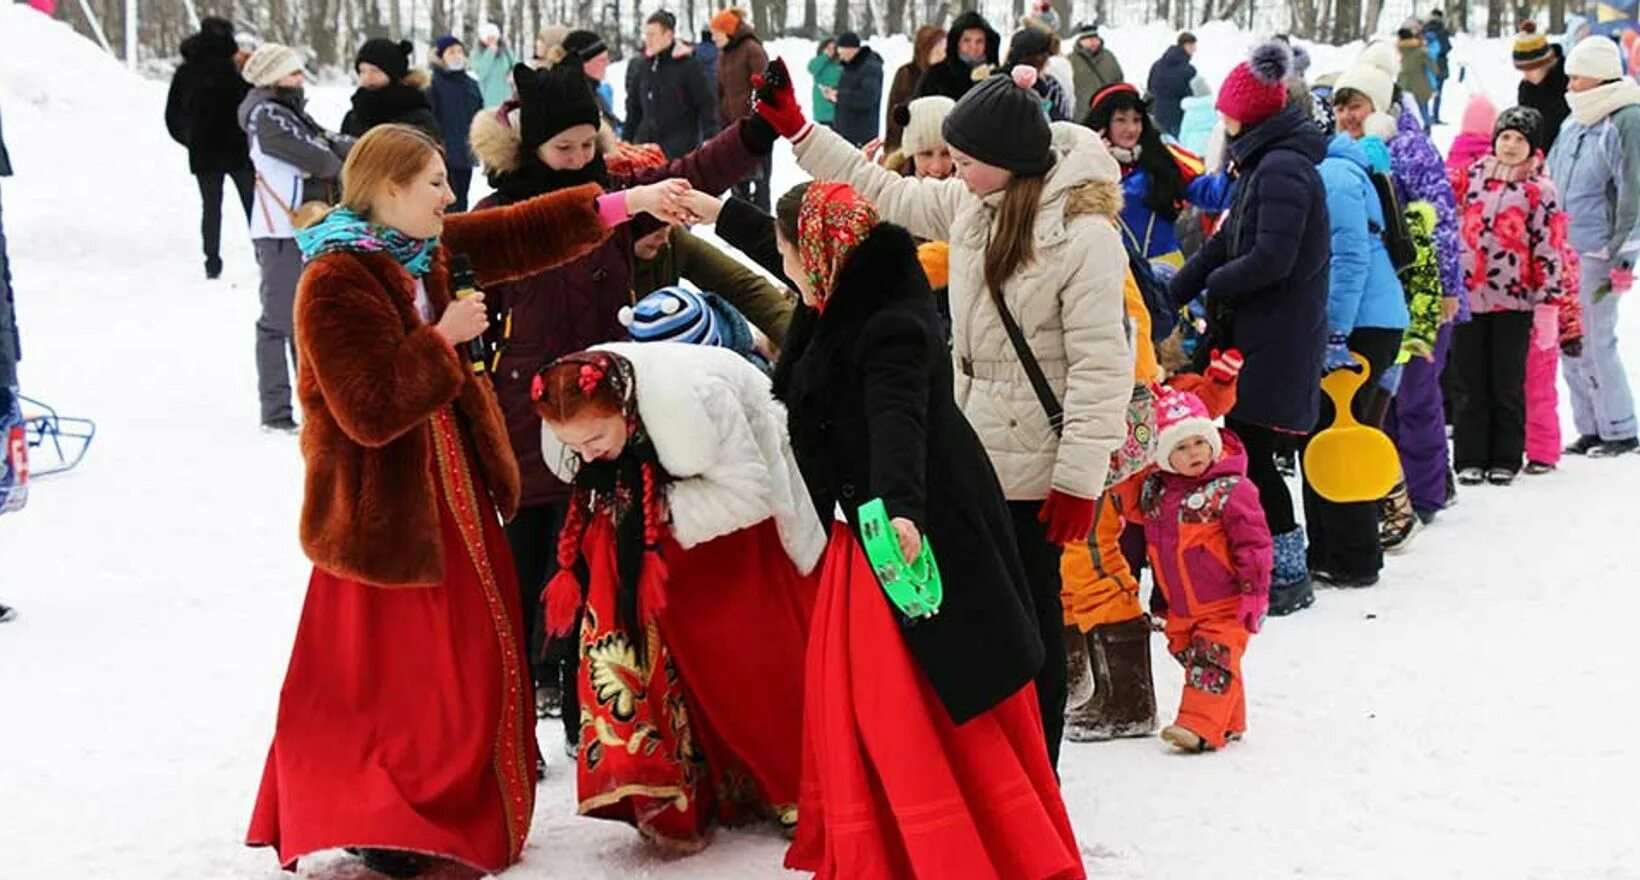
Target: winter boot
7 613
392 862
1539 468
1398 522
1184 739
1583 445
213 268
1290 588
1078 670
1124 695
1614 448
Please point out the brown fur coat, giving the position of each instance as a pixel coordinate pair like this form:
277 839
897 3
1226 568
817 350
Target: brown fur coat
372 373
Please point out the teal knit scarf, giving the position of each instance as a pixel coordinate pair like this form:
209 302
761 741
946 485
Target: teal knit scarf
345 230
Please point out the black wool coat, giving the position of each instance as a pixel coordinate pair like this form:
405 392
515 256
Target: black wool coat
867 386
398 102
202 107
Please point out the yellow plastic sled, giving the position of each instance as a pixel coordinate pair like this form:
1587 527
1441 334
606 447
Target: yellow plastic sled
1349 461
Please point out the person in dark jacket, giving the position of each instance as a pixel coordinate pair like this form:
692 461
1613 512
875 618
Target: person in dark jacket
389 91
669 101
1265 274
455 98
927 50
972 50
1094 67
10 352
706 52
872 416
201 113
1032 47
1543 80
740 56
588 51
1170 83
547 141
1439 42
859 91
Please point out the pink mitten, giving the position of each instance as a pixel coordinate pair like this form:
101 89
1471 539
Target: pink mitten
1251 611
1546 326
1622 280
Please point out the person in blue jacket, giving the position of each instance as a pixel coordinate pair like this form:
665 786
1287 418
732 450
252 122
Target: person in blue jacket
1367 315
456 99
1158 179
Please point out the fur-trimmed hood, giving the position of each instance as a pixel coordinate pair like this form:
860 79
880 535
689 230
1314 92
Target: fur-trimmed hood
721 436
497 145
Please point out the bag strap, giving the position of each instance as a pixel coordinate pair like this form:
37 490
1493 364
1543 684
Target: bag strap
1033 370
267 189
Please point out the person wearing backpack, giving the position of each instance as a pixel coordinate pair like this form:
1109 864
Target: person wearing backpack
297 162
1365 101
1366 315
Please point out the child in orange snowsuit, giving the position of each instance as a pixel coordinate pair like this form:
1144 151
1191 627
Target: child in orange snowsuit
1211 554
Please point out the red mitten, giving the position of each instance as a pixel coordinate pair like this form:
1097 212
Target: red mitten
1068 517
777 103
1225 366
1622 279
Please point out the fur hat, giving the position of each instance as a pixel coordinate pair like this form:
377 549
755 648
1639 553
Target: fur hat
1373 75
1479 115
1595 57
1256 89
1000 122
1531 48
921 121
392 58
270 64
1181 416
551 101
1526 120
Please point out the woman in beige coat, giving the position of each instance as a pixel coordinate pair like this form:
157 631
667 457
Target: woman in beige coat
1031 218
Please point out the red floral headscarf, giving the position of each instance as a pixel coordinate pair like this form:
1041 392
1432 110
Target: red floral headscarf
834 220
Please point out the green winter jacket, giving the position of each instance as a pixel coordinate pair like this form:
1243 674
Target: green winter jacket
1422 280
685 256
1091 72
826 72
493 67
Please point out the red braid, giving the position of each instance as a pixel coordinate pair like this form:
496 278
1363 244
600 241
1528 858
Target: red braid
561 600
652 584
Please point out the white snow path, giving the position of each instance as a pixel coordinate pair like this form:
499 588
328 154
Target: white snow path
1471 717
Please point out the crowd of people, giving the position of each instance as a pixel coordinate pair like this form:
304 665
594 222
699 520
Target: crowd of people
583 464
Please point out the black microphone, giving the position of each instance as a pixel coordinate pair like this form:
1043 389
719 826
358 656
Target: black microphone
461 281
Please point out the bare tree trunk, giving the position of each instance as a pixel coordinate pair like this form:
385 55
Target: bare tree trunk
1557 16
839 17
1495 11
1229 13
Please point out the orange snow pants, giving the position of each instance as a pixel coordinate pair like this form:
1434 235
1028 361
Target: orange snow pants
1210 646
1096 585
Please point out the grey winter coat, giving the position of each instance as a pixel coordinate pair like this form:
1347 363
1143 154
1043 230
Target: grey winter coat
1597 170
295 158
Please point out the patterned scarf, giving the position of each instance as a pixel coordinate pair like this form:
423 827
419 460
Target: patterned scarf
834 219
345 230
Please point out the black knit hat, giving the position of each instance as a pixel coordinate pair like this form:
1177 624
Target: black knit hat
1001 122
551 101
1028 43
583 46
1526 120
393 58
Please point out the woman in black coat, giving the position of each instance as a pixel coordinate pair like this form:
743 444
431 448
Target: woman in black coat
202 114
900 714
389 91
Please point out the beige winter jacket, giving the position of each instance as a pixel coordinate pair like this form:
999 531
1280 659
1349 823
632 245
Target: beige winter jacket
1068 300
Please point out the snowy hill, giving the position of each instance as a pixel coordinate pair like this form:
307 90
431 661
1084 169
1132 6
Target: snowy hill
1461 720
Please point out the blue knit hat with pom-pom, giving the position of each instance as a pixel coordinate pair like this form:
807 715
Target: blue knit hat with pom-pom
1257 88
673 314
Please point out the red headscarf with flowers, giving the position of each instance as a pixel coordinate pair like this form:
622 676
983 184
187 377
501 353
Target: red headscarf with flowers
833 220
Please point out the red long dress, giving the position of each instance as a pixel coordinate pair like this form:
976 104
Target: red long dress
892 790
403 722
708 726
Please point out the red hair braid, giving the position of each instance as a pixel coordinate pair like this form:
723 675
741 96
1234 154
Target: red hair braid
561 600
652 584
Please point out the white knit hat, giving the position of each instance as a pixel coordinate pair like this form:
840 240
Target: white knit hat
1596 57
1373 75
489 30
270 64
923 118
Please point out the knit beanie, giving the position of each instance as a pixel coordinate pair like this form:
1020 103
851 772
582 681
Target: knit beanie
1479 115
1531 48
1181 416
443 43
551 101
1373 75
1526 120
921 120
393 58
1596 57
1028 43
489 30
270 64
848 40
1256 89
583 46
726 22
672 314
1000 122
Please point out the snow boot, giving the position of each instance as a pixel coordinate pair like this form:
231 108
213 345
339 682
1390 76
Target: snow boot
1471 476
1614 448
549 702
1398 522
7 613
392 862
1184 739
1539 468
1500 476
1078 669
1290 587
213 268
1124 694
1583 445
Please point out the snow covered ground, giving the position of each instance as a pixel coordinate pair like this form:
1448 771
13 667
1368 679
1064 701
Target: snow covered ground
1468 718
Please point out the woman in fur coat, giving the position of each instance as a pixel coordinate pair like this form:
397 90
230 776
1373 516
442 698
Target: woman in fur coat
692 526
548 141
412 616
923 755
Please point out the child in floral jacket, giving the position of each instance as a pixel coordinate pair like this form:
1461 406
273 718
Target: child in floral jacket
1513 236
1210 549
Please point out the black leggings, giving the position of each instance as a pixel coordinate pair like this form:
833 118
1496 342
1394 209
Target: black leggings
533 537
1041 560
1262 444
